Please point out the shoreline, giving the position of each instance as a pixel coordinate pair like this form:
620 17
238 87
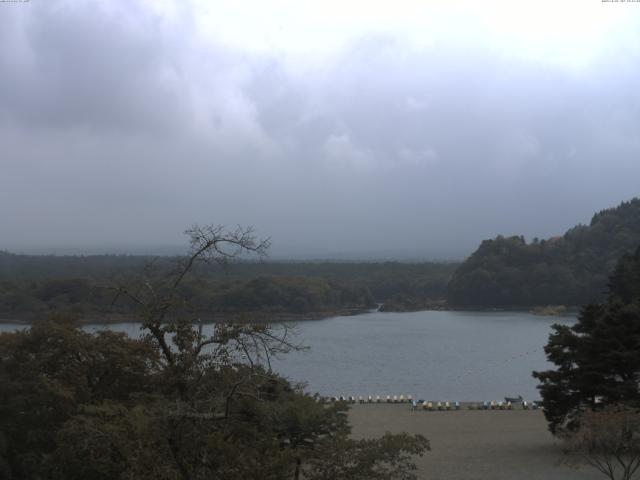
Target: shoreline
245 317
280 317
537 310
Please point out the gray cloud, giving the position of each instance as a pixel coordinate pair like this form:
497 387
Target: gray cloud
82 67
119 126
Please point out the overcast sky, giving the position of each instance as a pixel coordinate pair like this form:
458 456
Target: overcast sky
406 129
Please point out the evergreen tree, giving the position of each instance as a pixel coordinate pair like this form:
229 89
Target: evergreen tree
598 358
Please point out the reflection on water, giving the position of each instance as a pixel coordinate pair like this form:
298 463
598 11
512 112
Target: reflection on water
434 355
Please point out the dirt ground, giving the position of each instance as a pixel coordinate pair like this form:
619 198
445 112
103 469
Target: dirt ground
472 444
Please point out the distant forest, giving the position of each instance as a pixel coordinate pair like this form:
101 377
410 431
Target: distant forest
32 287
506 272
568 270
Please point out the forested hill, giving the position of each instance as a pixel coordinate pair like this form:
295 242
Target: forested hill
567 270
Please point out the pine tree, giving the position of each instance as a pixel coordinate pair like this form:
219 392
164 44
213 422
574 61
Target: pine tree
598 358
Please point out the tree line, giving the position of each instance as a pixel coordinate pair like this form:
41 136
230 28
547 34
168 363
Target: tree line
33 286
504 272
568 270
30 300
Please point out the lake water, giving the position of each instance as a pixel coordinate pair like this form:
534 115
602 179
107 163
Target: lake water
433 355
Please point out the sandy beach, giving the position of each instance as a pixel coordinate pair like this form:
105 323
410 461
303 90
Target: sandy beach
471 444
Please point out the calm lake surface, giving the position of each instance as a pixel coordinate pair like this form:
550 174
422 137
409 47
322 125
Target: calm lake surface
432 355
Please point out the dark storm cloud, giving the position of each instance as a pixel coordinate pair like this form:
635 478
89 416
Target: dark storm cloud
119 126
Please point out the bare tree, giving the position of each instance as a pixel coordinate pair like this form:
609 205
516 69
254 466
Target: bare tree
206 406
609 440
177 328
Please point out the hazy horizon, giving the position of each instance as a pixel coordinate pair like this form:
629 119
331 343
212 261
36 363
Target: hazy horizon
413 130
282 255
276 252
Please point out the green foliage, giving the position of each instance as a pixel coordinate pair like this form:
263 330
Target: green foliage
33 287
102 406
567 270
597 359
296 294
176 404
49 371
